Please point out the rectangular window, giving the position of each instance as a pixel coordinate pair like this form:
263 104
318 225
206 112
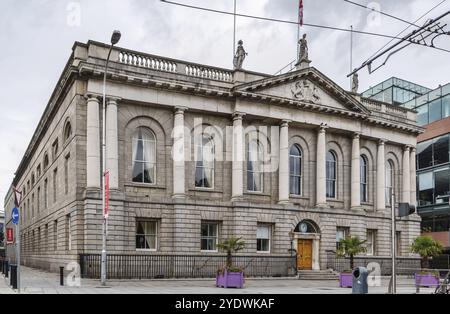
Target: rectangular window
424 154
55 183
66 174
38 203
55 235
32 205
55 149
263 235
45 194
371 241
422 115
68 233
442 186
46 238
441 150
446 106
398 243
341 234
39 242
146 234
425 188
435 112
209 236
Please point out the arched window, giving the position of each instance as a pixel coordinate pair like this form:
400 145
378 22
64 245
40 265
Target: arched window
67 131
389 180
331 173
254 167
45 161
363 178
295 170
144 156
204 161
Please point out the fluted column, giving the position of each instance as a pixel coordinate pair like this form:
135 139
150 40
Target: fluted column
406 176
112 144
93 142
237 175
321 185
283 167
412 174
355 174
178 156
381 177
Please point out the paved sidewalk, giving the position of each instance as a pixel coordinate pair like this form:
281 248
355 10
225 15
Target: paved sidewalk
40 282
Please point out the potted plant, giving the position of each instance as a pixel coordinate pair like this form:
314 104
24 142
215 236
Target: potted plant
230 276
349 247
427 248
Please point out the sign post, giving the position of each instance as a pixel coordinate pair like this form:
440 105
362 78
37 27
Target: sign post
15 215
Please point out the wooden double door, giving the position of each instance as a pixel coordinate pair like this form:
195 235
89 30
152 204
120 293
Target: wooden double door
304 254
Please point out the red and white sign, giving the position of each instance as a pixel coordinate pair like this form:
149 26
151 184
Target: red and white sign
106 213
9 236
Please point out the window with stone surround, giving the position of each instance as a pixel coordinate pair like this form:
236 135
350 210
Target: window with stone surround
364 174
331 174
68 233
255 159
389 177
67 131
295 170
55 184
144 156
263 238
55 235
146 234
371 242
398 243
209 236
55 150
341 234
66 174
45 194
204 161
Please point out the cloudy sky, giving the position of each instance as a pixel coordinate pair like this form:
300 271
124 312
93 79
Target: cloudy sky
36 37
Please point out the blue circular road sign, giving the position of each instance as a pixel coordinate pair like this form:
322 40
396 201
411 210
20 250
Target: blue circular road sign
15 216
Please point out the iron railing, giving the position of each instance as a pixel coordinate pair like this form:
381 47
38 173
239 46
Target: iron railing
183 266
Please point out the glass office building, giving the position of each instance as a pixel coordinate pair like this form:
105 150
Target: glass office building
433 154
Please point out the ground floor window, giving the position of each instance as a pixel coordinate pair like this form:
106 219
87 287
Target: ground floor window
263 235
146 234
209 236
371 241
341 234
398 243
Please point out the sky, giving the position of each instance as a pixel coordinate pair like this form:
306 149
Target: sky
36 38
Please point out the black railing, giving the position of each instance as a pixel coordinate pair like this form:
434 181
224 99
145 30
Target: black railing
183 266
405 265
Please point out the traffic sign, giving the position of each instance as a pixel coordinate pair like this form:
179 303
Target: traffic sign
15 216
9 235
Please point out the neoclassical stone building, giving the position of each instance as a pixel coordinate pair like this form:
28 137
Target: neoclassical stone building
290 161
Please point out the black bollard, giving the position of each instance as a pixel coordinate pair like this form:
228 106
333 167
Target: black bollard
61 276
6 269
13 279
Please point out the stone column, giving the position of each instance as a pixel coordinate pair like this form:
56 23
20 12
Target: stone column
283 166
406 176
355 174
321 185
412 174
237 174
112 144
93 142
178 154
381 177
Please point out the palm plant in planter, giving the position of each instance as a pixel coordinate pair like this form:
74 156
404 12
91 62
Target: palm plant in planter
230 276
349 247
427 248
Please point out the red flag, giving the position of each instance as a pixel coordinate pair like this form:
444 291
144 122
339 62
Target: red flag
300 12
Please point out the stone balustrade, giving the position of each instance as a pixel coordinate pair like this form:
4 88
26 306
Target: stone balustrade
175 66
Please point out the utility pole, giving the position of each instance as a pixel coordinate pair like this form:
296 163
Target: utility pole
393 243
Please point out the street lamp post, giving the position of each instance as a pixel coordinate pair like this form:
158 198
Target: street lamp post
114 40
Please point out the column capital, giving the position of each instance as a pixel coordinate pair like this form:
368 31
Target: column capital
238 115
413 149
285 123
407 148
381 142
180 109
356 135
92 97
110 100
323 127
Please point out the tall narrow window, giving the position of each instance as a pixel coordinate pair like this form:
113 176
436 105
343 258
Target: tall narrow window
398 243
146 235
389 181
254 167
144 156
32 205
45 194
55 235
67 131
295 170
363 178
331 172
204 162
39 242
209 236
68 233
46 162
38 201
55 150
370 242
341 234
263 235
46 238
55 183
66 174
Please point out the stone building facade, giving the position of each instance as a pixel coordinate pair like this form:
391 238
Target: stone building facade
339 155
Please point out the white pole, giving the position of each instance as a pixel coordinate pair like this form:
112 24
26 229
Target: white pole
18 253
234 29
351 55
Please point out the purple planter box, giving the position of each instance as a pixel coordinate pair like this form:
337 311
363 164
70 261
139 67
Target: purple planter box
345 280
230 280
426 280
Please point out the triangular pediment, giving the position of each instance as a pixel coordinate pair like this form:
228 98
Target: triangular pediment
306 86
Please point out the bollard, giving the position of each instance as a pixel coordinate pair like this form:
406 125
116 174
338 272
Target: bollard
13 279
61 276
6 269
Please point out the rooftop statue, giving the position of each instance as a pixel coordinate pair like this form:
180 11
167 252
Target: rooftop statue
239 57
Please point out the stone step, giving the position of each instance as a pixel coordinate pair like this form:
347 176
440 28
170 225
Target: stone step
316 275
